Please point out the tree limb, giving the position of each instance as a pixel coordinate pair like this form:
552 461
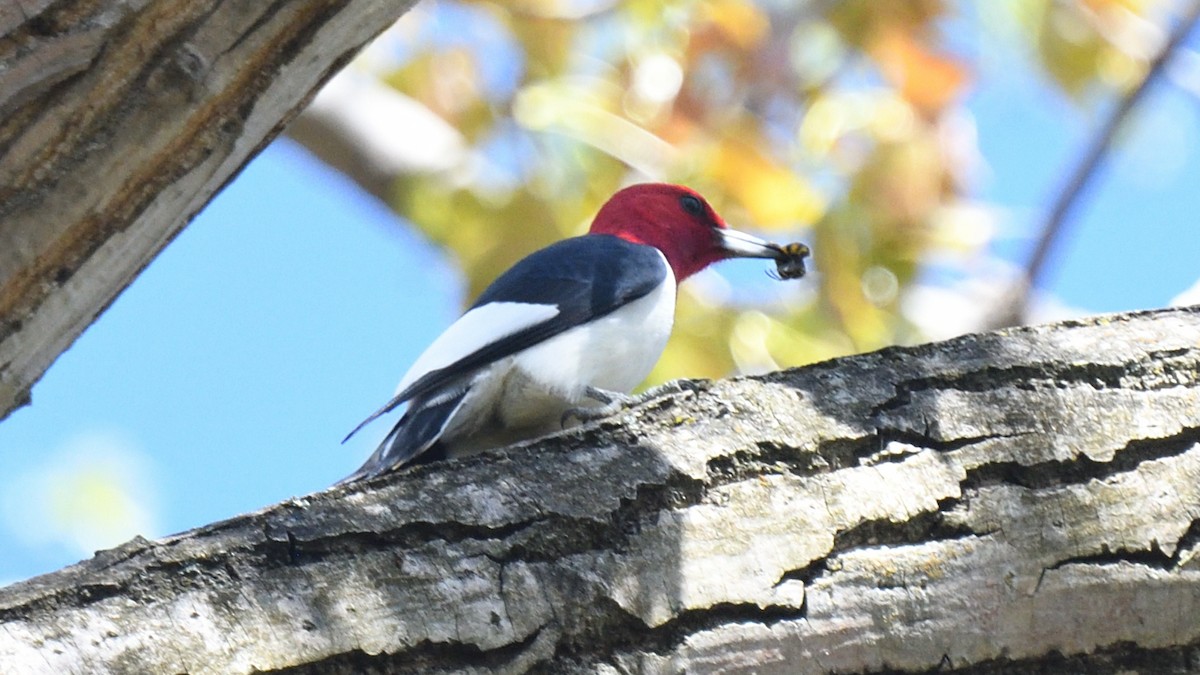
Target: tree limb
374 135
1015 304
990 503
119 120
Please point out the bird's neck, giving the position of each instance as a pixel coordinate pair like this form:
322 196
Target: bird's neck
684 260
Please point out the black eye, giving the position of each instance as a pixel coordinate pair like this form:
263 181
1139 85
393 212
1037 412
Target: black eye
691 204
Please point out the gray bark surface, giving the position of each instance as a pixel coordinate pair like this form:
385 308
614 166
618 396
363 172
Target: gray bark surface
119 119
1021 501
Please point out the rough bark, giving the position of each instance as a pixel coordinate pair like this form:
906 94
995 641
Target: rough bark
1022 501
119 119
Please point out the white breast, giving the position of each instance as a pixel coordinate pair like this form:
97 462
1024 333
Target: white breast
524 395
615 352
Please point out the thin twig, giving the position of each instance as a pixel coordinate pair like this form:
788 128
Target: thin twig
1016 302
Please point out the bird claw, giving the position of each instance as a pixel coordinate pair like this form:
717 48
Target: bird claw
615 402
612 402
584 414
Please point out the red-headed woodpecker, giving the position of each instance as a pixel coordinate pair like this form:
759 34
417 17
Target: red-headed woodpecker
577 323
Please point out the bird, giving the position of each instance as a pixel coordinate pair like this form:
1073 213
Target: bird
569 329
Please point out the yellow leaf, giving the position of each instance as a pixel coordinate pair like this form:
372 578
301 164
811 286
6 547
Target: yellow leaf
742 23
773 195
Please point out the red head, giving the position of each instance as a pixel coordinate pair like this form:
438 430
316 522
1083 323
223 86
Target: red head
679 222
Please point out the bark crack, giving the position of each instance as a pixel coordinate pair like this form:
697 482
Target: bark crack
925 527
261 20
616 632
1154 556
555 537
424 657
1113 659
415 534
1081 468
1147 373
830 455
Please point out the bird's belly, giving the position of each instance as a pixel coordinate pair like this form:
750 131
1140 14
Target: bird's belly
615 352
525 395
505 406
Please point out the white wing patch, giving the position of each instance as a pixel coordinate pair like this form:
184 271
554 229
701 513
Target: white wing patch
473 331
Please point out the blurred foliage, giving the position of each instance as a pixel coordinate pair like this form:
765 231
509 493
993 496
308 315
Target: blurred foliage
841 124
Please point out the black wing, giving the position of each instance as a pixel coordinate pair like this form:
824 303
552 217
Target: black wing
585 277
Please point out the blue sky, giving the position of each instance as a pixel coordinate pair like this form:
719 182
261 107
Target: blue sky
227 375
224 378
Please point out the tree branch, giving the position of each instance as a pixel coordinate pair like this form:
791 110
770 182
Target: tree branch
987 503
1015 304
374 135
119 120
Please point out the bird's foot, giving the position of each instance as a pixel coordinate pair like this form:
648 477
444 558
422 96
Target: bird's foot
614 402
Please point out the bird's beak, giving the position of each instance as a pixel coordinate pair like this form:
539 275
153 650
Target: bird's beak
742 245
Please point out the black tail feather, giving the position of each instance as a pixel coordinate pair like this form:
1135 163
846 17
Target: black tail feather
419 428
